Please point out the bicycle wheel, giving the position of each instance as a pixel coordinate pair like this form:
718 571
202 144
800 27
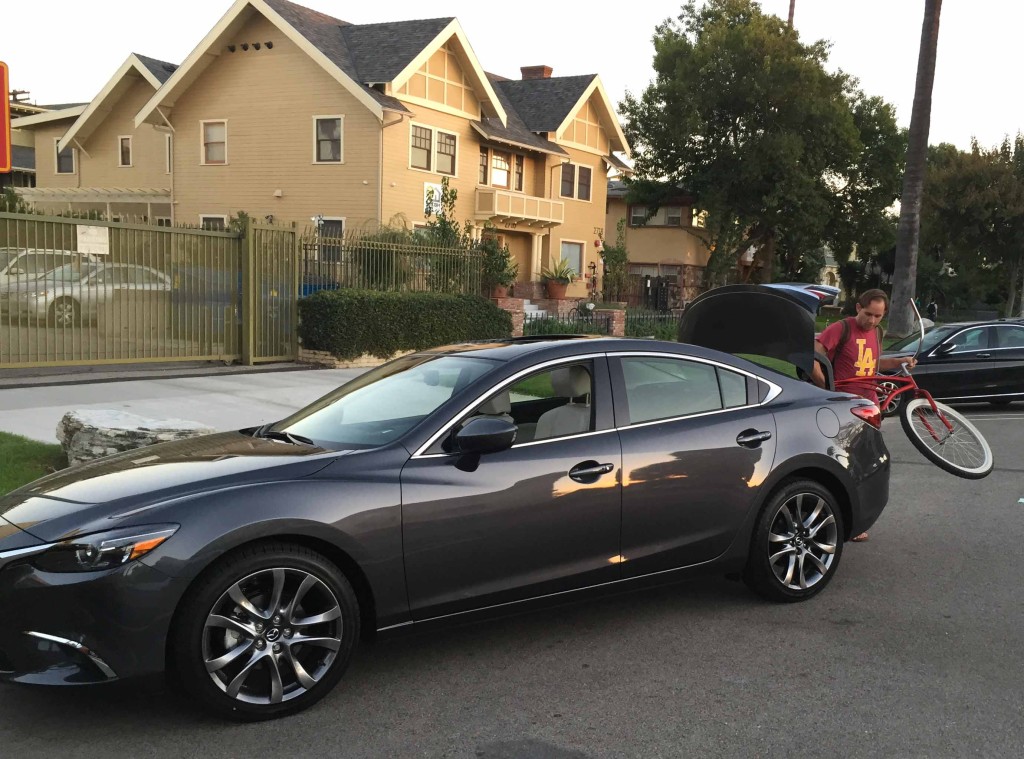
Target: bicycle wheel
962 451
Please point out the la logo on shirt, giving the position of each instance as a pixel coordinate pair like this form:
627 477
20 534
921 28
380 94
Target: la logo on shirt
865 364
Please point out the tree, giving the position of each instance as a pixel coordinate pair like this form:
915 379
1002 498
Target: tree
779 152
908 233
972 219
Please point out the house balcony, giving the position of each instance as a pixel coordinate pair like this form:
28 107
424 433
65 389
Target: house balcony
514 208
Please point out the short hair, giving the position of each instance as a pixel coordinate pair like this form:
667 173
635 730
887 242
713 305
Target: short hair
868 296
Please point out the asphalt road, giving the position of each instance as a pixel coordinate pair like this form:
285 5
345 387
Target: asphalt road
915 650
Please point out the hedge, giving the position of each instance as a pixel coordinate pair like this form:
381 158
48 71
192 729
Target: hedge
349 323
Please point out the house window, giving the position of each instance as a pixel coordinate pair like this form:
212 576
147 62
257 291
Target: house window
422 142
446 153
568 180
168 153
666 216
637 216
501 165
213 222
674 216
162 221
124 151
572 252
576 181
65 159
520 171
215 142
484 155
327 139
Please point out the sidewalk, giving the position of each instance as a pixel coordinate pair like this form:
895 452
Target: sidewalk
223 399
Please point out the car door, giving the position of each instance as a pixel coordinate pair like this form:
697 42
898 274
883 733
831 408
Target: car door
961 366
1008 361
695 449
538 518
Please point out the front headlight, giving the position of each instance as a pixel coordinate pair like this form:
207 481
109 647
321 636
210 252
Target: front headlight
103 550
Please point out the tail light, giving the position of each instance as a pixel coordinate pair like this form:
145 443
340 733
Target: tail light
869 414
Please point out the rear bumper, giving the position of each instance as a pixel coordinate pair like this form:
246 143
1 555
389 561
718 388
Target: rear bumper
80 628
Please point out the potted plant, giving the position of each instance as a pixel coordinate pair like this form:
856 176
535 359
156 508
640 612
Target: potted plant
498 270
558 278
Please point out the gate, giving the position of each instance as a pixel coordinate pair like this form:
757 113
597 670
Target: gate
270 288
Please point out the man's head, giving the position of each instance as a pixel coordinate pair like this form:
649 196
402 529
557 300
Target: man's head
871 308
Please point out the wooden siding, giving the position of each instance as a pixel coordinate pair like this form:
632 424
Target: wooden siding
46 156
269 98
442 81
586 131
657 245
584 220
100 167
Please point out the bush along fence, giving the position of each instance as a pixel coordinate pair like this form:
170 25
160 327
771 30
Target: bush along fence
661 326
357 326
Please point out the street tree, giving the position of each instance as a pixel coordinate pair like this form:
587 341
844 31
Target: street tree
909 230
780 153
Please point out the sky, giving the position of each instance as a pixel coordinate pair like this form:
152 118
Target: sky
67 50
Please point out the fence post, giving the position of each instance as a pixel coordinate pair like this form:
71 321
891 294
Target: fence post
248 286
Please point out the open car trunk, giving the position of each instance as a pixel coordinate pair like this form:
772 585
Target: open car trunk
755 320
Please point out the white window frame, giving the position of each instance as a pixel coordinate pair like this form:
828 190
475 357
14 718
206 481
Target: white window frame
56 160
342 219
131 152
168 153
202 142
204 216
434 133
583 253
634 212
162 221
576 181
340 118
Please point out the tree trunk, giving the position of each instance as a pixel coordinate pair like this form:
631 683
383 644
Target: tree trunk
1011 298
909 230
792 7
1022 291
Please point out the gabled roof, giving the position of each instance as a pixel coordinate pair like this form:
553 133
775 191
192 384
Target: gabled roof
380 52
595 86
135 67
515 131
543 104
44 118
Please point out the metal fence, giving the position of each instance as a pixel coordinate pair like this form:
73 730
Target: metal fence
84 291
576 322
662 326
385 261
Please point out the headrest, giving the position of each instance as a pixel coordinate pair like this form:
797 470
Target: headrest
570 381
499 404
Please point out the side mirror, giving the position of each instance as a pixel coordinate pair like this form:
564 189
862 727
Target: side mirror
945 349
483 435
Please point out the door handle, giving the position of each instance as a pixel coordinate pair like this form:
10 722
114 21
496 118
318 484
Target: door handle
752 438
589 471
984 355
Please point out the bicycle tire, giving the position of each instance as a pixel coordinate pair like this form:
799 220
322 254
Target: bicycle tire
951 453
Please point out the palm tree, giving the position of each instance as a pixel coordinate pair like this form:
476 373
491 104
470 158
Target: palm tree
908 232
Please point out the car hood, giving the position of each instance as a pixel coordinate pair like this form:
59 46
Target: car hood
51 507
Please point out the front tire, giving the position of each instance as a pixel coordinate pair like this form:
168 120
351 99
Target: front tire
797 543
962 451
267 632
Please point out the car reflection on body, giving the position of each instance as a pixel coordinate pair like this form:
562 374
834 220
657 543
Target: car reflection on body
73 293
452 481
968 361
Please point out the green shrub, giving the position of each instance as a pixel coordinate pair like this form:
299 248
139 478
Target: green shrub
349 323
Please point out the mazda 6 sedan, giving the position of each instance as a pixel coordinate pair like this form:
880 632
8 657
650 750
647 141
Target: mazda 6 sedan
458 480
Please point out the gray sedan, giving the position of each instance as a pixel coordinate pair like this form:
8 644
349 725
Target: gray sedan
73 294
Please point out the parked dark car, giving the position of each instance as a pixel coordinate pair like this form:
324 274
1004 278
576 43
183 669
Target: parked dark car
969 361
462 479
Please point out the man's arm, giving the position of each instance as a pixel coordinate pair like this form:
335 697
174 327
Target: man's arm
893 363
818 376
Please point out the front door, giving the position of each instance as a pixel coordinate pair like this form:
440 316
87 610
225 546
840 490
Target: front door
541 517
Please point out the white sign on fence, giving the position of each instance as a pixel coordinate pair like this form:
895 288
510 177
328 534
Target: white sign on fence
94 240
432 198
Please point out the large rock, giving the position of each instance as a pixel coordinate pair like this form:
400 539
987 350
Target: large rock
92 433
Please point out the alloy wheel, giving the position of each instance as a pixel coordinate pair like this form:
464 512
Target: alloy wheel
802 541
272 636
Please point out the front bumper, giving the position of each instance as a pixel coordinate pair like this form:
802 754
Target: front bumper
27 308
79 628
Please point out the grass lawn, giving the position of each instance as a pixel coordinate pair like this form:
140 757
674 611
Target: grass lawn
23 460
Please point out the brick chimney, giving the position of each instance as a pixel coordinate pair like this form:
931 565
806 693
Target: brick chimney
536 72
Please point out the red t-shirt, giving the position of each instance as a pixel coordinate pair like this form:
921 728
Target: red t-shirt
858 358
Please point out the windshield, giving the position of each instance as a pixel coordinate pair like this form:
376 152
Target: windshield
68 273
6 254
380 406
932 337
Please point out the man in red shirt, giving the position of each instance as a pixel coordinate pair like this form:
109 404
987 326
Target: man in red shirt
859 355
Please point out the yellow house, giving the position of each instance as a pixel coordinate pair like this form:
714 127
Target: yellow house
666 243
289 115
94 158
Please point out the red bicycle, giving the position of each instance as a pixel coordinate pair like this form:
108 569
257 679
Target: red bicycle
944 436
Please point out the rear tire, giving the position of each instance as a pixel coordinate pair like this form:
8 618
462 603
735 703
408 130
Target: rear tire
797 543
963 452
63 313
266 632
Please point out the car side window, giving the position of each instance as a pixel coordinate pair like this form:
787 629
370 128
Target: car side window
663 388
734 388
1010 336
974 339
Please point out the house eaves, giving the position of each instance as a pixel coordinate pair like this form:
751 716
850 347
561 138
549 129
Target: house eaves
45 118
135 67
596 86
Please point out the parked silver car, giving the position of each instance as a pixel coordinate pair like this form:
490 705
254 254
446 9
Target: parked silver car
72 294
21 266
